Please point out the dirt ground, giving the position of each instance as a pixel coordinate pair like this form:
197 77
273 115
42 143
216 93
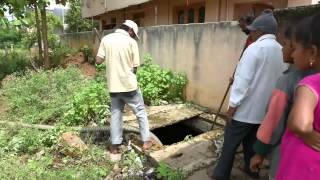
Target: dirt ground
79 61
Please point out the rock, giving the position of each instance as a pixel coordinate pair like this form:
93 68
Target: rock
114 157
39 154
116 169
72 143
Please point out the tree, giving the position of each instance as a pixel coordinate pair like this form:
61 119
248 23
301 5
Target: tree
19 7
74 20
36 15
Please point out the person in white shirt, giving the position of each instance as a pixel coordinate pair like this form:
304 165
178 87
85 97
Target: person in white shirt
121 53
257 72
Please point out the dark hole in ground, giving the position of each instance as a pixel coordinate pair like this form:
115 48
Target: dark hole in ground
178 132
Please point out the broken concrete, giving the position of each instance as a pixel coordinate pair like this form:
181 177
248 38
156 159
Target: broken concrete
190 155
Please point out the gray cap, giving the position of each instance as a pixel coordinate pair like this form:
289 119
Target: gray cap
265 22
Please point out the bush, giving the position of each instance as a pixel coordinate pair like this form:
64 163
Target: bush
159 85
88 54
58 55
14 61
91 104
9 36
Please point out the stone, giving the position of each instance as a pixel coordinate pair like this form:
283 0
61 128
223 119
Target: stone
72 143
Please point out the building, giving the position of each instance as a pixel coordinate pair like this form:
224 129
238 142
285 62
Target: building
163 12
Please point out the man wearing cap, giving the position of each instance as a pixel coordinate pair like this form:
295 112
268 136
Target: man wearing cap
120 50
257 72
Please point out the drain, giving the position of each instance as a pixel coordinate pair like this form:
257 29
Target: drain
182 130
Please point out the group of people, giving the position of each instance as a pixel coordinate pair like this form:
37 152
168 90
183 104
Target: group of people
274 108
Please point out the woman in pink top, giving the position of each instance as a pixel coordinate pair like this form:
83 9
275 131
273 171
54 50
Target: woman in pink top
300 147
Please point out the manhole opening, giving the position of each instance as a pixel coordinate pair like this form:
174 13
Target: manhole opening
182 130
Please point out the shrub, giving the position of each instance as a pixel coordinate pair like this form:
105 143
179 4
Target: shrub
159 85
58 55
14 61
91 104
88 54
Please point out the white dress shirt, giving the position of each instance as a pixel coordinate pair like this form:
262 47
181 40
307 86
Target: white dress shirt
256 75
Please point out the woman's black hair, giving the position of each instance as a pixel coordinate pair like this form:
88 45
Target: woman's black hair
302 33
315 29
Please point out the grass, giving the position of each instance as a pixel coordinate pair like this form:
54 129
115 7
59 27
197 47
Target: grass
35 161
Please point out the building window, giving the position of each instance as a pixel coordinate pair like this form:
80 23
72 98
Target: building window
181 17
191 16
193 13
202 14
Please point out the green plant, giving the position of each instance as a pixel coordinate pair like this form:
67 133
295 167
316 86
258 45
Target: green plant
75 21
91 104
167 173
13 61
93 164
58 55
159 85
25 141
88 54
42 97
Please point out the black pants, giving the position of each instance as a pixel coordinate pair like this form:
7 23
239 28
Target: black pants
236 133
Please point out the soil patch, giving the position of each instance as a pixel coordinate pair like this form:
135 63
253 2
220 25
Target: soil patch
78 60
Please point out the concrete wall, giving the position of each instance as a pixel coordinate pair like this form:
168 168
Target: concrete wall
294 3
207 53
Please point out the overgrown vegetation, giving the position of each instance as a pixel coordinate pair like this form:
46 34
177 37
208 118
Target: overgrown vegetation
64 98
61 95
13 61
159 85
25 154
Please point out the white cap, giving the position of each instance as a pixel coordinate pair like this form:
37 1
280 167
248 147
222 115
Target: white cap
133 25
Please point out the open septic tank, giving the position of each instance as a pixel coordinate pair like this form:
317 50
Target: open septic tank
186 135
186 139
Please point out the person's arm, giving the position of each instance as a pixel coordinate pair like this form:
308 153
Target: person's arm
262 146
244 75
276 109
135 56
301 117
101 53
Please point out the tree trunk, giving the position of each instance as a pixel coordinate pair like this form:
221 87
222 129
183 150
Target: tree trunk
36 13
45 36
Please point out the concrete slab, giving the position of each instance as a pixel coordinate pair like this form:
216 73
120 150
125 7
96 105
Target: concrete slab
191 155
162 116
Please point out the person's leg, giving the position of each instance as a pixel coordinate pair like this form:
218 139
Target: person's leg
135 102
233 136
248 151
116 124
